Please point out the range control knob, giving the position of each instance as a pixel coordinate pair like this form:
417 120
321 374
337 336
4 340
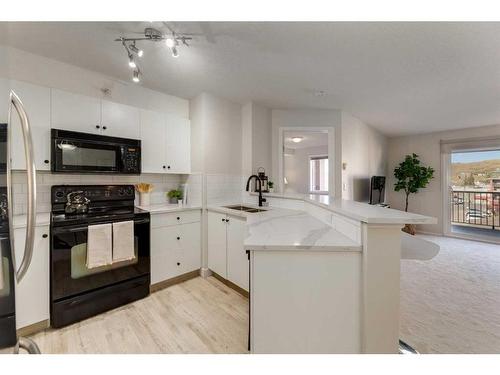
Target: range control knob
59 194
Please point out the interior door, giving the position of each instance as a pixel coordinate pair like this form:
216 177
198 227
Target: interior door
178 144
237 259
153 142
36 99
217 260
120 120
75 112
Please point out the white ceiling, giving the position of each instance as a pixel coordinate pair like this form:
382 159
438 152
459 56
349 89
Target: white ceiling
309 139
402 78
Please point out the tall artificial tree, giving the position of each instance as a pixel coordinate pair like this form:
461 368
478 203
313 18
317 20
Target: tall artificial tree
411 176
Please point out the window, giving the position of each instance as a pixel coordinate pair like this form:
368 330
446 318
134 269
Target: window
318 174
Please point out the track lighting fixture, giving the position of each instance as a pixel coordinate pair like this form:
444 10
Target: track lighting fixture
172 40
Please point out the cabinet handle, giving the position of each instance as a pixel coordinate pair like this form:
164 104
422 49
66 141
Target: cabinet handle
45 235
178 238
46 161
178 264
223 219
164 167
97 127
104 127
168 167
227 220
178 218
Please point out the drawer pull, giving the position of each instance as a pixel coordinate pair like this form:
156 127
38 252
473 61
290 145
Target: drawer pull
178 238
178 264
45 235
178 218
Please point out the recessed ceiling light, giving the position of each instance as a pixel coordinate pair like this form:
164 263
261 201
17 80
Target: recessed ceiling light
297 139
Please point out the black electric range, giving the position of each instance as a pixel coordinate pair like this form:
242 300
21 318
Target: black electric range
77 292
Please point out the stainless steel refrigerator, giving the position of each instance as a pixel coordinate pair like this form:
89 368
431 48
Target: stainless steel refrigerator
10 273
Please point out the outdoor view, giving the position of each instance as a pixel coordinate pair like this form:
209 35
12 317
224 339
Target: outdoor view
475 179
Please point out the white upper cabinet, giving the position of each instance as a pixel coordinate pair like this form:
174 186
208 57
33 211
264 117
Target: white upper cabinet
76 112
152 142
119 120
178 156
165 142
36 100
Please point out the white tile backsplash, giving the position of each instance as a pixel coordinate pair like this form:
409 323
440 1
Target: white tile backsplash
45 180
222 188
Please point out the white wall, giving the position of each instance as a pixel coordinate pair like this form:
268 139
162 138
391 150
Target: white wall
217 129
364 150
25 66
428 201
296 168
314 118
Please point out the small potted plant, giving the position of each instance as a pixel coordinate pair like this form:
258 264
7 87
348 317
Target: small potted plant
174 196
270 185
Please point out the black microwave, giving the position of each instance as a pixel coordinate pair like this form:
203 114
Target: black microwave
75 152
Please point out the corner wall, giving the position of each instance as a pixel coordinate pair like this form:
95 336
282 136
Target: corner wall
364 150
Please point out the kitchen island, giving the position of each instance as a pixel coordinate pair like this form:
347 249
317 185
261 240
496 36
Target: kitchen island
325 279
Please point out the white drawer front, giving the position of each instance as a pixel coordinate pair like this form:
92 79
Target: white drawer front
175 218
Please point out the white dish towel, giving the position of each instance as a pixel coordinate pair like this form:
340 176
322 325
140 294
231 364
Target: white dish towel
99 246
123 241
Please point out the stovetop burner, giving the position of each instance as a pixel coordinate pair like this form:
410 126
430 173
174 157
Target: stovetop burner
107 203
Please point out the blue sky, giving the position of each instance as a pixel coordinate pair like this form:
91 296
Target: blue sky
469 157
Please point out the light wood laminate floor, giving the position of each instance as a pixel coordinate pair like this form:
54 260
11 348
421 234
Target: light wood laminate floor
196 316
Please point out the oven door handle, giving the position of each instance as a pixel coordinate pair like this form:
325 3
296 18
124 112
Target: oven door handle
15 102
86 227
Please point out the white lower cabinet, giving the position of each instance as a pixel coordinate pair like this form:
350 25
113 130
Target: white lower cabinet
175 248
32 293
226 254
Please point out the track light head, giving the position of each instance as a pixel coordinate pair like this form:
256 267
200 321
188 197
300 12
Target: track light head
135 76
175 53
137 51
131 62
170 42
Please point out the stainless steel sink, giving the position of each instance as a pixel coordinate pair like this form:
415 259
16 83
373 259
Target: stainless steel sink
240 207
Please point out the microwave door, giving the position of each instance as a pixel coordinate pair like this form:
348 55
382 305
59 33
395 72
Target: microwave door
81 156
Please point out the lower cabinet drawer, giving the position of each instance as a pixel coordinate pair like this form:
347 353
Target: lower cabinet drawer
175 218
175 250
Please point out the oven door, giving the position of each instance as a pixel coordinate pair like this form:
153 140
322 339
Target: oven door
85 156
69 275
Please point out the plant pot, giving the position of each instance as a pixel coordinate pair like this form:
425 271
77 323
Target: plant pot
144 199
271 190
174 200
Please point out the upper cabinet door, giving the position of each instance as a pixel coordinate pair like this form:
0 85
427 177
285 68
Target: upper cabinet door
120 120
178 144
36 100
153 142
75 112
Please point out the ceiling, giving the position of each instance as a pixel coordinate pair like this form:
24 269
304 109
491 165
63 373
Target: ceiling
309 139
401 78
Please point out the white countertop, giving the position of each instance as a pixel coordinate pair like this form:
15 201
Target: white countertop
284 229
165 208
363 212
42 219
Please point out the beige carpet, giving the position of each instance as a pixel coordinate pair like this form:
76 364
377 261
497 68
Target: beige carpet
451 304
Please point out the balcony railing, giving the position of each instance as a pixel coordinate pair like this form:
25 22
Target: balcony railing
476 208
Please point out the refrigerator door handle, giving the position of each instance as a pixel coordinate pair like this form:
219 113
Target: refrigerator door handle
31 174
